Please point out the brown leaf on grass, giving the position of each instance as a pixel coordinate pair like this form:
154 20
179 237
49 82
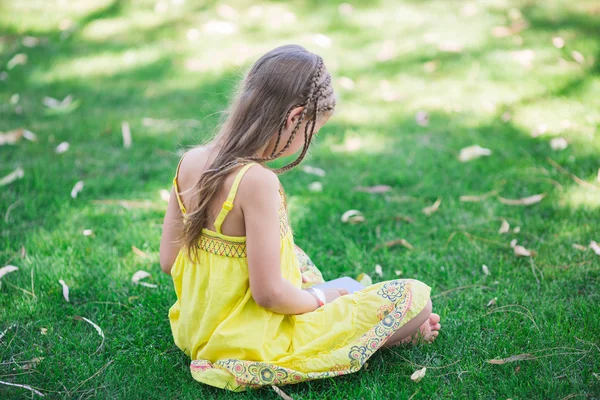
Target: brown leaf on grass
492 302
477 198
521 251
373 189
485 269
314 170
525 201
77 189
595 247
7 270
579 247
139 275
126 133
422 118
418 374
32 363
44 331
62 147
473 152
578 57
281 393
432 208
403 218
315 187
18 59
519 357
558 42
378 270
65 289
18 173
517 229
98 329
505 227
140 253
87 232
394 243
558 144
11 137
352 217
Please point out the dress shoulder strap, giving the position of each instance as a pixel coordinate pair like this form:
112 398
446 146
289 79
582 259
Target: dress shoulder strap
176 187
228 204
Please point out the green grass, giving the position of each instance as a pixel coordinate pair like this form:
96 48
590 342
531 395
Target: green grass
125 62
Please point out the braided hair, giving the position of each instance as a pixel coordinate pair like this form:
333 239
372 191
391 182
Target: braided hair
280 81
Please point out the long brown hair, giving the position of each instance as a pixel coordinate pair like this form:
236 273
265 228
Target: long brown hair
284 78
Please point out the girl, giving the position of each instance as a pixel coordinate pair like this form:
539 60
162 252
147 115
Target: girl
241 313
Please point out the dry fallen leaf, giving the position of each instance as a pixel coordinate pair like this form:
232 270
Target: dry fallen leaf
44 331
594 246
422 118
164 195
513 243
126 132
418 374
577 56
139 275
64 106
32 363
477 198
7 270
521 251
485 269
473 152
11 137
559 143
505 227
65 289
432 208
140 253
352 217
393 243
398 273
314 170
525 201
558 42
13 176
62 147
492 302
364 280
517 229
378 270
77 189
281 393
88 232
315 187
98 329
403 218
373 189
579 247
18 59
519 357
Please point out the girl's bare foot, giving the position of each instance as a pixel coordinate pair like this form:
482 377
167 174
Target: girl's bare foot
426 333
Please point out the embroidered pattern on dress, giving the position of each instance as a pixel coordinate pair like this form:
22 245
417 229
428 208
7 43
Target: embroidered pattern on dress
227 248
254 373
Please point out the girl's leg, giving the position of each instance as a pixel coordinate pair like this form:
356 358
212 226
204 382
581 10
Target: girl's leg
424 326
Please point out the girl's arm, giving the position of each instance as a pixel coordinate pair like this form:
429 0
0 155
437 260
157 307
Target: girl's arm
169 242
260 201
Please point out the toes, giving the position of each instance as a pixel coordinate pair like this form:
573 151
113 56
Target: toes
434 319
436 327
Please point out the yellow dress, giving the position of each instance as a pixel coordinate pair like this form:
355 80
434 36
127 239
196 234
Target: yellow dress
235 344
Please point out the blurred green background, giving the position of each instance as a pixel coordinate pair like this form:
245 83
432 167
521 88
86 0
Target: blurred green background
417 81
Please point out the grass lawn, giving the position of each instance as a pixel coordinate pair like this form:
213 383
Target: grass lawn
508 76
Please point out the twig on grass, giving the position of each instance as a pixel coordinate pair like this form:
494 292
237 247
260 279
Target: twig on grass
10 208
577 179
91 377
507 308
24 387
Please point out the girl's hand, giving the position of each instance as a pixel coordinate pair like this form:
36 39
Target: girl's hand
332 294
